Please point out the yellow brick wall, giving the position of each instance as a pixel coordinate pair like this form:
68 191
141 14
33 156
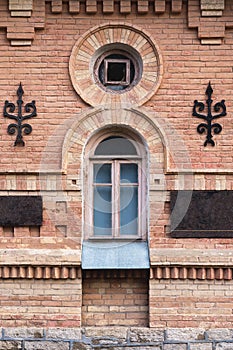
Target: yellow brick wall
115 298
40 303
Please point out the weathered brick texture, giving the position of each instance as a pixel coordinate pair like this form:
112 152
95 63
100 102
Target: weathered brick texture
190 303
41 303
120 300
183 45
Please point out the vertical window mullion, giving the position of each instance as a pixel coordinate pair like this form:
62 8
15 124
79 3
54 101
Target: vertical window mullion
113 199
116 198
91 199
139 200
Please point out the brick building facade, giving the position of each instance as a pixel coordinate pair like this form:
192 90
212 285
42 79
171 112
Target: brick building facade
116 174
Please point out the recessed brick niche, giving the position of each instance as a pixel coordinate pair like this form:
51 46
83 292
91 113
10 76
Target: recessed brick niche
20 211
202 214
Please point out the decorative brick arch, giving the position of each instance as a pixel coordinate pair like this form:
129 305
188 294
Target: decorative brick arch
166 148
83 57
81 131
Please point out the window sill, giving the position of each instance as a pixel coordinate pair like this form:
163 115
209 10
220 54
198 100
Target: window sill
114 239
115 254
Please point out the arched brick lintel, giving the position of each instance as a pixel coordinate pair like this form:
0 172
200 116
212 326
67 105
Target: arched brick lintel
162 140
91 122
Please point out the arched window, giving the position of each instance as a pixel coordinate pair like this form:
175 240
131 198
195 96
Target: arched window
116 186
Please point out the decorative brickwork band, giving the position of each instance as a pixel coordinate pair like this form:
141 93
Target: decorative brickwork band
68 272
107 274
192 273
21 8
108 6
40 272
24 17
212 8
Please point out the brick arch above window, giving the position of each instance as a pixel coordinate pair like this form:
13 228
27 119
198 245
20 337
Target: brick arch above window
167 150
85 53
93 121
166 145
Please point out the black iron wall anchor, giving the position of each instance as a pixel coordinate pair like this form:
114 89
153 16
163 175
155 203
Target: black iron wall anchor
19 127
208 126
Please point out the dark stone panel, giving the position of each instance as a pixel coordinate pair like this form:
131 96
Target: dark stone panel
201 214
18 211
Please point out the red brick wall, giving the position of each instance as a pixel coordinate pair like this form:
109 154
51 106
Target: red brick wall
115 298
43 70
51 163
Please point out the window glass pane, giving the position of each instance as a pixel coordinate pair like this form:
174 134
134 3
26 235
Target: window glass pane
115 145
103 211
129 210
129 173
102 173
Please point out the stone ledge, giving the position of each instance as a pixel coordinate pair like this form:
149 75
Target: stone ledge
191 257
38 257
40 264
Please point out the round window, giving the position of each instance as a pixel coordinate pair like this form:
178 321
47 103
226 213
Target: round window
117 68
115 64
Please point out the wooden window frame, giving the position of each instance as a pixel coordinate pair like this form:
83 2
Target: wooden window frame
141 160
129 57
125 82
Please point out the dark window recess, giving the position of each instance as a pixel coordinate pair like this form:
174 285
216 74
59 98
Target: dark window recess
18 211
116 71
201 214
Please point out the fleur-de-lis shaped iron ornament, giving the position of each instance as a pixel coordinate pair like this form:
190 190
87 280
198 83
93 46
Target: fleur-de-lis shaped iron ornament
209 117
10 107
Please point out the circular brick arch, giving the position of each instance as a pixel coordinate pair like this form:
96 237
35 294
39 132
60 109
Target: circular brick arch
83 57
163 141
81 131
